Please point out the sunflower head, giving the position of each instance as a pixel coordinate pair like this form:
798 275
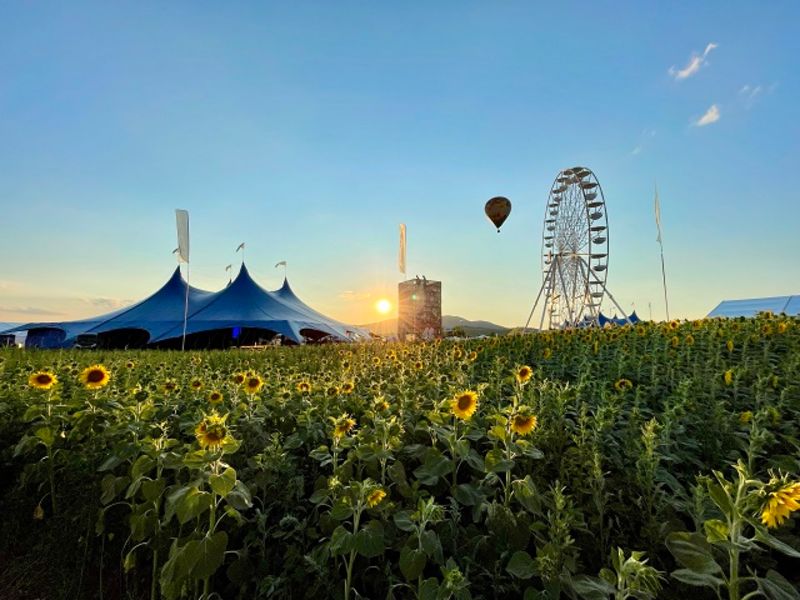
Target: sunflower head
782 327
348 387
375 497
418 365
130 364
215 397
727 377
170 386
95 377
729 345
304 387
623 384
238 378
376 360
673 325
523 424
524 374
472 356
464 404
381 404
689 340
211 431
332 390
547 353
196 384
746 417
343 425
42 380
781 503
253 383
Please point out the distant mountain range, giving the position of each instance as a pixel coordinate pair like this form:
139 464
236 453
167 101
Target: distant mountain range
449 322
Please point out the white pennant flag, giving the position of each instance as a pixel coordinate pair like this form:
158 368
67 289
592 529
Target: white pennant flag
240 247
401 258
182 222
281 264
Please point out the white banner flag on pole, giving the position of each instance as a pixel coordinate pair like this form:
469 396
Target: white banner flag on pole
401 258
182 221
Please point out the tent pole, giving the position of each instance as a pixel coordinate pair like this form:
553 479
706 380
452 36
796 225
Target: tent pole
185 309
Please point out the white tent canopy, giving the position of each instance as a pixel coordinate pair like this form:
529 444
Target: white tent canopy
750 307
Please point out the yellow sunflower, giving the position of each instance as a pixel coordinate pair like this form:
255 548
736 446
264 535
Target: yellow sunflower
524 374
523 424
238 378
782 327
418 365
464 404
211 431
215 397
689 340
673 325
780 505
623 384
376 361
548 352
95 377
343 426
253 383
196 384
170 386
130 364
729 345
675 341
304 387
746 417
375 497
42 380
332 390
381 404
728 377
472 356
348 387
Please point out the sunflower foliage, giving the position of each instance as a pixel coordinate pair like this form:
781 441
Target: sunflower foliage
655 460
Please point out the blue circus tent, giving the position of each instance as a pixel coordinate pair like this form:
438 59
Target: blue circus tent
241 313
245 305
286 295
136 324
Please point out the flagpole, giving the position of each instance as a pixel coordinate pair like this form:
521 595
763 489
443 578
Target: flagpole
661 245
185 309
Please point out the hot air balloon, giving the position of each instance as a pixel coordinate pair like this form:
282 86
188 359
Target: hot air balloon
498 209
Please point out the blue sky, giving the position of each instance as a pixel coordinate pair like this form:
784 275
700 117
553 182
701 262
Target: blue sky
309 130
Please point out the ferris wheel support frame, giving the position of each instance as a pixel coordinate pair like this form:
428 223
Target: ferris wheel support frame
555 266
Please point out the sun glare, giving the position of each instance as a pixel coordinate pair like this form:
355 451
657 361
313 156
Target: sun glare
383 306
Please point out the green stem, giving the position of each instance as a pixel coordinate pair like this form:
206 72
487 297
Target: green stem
52 476
352 558
733 553
212 523
154 577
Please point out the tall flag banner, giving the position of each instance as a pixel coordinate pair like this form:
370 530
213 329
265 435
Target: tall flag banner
401 258
240 247
281 264
182 221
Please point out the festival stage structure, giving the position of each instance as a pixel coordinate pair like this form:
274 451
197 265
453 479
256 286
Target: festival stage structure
241 314
419 309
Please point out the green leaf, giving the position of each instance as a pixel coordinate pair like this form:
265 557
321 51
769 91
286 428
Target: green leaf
776 544
206 555
720 498
521 565
434 465
192 504
496 462
412 562
776 587
692 551
111 486
341 541
45 434
468 494
432 546
240 497
142 466
429 590
526 494
223 484
402 520
152 489
592 588
716 531
368 541
341 510
697 579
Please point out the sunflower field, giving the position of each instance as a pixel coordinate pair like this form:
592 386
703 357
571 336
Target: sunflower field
647 461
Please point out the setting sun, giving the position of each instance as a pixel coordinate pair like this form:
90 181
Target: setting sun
383 306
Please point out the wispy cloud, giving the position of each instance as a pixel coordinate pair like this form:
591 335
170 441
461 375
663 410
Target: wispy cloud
644 138
637 150
28 310
696 61
712 115
352 296
7 285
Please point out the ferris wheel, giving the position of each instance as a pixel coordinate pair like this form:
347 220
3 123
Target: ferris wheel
575 252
